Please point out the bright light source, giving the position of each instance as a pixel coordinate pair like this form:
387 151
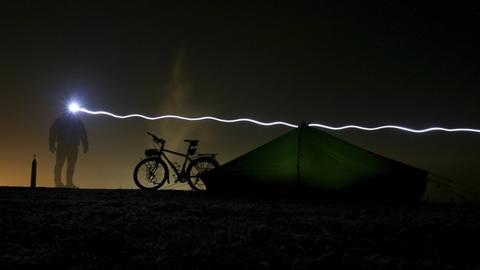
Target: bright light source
73 107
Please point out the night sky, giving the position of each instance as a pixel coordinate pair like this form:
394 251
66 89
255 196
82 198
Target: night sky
369 63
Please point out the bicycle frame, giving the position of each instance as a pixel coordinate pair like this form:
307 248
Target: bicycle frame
180 174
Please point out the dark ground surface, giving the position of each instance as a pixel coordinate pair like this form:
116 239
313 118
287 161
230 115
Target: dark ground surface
126 229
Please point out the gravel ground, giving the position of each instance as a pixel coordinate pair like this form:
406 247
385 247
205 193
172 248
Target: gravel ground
125 229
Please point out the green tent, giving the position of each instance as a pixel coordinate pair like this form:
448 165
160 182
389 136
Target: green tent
309 159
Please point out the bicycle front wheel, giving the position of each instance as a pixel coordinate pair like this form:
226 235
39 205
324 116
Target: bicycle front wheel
195 170
150 173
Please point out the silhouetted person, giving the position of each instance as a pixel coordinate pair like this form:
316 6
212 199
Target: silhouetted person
66 133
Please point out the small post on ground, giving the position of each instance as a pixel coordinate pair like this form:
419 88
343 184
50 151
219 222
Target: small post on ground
33 180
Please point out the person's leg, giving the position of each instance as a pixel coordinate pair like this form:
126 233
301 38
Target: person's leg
72 155
61 154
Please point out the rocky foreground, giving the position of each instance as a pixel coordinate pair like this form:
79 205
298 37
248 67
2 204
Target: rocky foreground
127 229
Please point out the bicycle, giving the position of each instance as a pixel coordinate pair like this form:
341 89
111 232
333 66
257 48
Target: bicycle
152 172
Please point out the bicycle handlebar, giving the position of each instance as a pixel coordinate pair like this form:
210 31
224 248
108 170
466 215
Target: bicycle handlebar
156 139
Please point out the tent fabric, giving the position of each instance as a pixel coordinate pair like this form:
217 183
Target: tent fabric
311 159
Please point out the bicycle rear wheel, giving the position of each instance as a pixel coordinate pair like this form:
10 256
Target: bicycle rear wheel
150 173
195 170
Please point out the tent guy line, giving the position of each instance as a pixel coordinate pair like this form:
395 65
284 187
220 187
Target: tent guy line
74 108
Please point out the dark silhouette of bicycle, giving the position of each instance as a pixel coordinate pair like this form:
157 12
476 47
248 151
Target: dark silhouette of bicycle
152 172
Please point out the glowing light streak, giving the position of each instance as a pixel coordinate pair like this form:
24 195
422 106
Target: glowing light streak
171 116
202 118
398 128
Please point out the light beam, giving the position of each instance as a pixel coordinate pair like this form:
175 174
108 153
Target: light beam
171 116
397 127
75 108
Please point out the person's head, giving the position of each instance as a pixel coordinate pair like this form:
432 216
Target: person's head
69 115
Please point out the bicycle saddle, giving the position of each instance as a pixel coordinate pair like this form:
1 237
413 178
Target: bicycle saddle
208 155
192 142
